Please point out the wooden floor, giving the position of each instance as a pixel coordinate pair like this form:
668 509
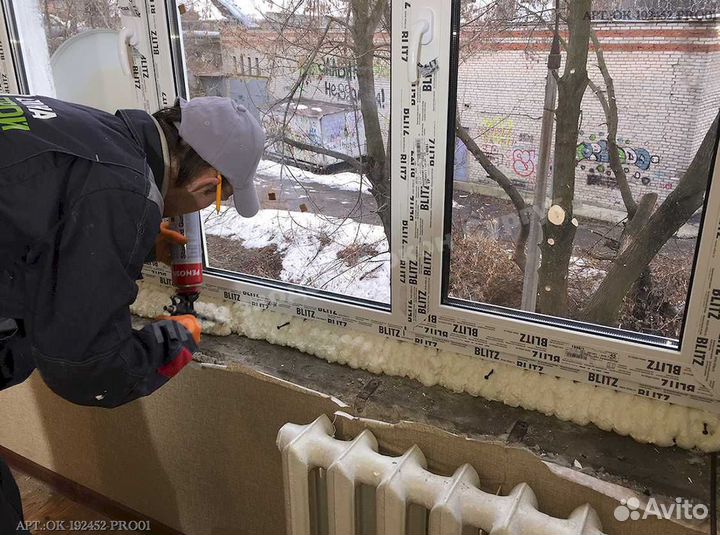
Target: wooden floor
47 511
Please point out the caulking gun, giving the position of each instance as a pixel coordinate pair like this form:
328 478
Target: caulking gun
186 265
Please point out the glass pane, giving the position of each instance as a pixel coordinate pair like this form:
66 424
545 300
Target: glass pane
70 51
324 100
64 19
608 137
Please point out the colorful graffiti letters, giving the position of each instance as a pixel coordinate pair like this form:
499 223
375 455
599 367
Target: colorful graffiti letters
497 130
523 162
598 152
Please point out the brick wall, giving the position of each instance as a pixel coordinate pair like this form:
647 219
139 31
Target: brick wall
667 92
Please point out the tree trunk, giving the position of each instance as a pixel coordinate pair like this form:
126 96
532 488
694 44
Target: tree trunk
559 231
366 15
677 208
643 211
381 194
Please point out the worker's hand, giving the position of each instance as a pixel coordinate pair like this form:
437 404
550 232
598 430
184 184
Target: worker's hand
165 240
188 321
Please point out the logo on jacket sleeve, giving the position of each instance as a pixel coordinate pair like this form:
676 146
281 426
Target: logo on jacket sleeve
13 117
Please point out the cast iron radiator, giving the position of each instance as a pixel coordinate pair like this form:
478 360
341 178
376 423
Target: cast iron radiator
347 487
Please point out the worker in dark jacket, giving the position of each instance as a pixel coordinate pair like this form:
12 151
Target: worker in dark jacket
82 196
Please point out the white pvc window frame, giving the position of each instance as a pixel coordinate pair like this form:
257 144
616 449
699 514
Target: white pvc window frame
9 68
688 376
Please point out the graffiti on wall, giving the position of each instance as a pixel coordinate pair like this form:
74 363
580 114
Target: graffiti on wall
345 89
497 130
509 149
461 161
494 153
345 92
339 133
336 131
330 66
593 156
523 162
598 152
313 134
515 153
342 91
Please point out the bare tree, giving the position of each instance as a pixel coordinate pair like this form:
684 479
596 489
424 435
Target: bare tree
559 231
357 36
648 228
66 18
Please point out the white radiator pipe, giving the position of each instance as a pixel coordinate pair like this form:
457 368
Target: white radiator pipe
453 502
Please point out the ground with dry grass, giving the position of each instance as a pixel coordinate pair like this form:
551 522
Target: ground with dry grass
228 254
483 271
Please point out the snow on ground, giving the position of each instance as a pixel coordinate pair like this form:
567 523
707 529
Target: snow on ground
580 266
581 271
345 181
310 244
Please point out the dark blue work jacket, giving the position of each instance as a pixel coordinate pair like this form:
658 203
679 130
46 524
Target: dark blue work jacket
80 209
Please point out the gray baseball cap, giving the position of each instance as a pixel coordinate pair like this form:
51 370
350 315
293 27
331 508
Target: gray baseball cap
229 138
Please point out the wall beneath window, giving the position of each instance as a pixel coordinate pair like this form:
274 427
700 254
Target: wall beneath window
200 456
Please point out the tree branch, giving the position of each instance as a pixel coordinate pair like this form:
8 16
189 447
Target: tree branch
493 172
609 105
358 166
339 21
677 208
507 186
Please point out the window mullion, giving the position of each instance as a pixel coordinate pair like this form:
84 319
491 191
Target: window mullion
419 132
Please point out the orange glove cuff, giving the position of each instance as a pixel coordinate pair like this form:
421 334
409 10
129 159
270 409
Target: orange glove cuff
190 322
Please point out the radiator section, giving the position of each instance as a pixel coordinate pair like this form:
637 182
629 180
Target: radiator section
454 503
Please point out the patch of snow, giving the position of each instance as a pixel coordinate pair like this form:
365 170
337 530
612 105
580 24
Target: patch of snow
346 181
688 230
579 266
580 270
309 244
